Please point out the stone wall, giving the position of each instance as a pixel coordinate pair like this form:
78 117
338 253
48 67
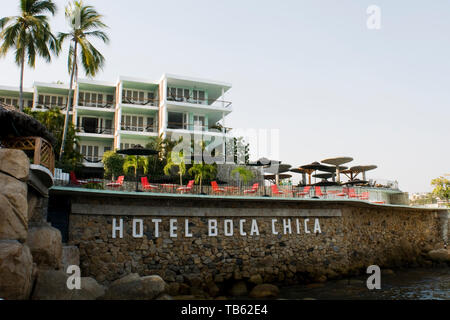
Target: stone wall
352 236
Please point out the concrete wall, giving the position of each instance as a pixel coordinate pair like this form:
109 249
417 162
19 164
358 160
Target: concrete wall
352 236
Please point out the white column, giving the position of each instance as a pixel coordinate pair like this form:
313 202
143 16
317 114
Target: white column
223 97
35 98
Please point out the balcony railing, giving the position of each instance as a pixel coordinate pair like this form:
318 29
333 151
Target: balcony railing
139 128
206 102
93 159
95 130
191 127
96 104
48 106
141 102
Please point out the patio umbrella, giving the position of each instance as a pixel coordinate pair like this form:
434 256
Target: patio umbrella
275 177
338 162
301 171
277 170
325 176
363 169
263 162
312 167
138 151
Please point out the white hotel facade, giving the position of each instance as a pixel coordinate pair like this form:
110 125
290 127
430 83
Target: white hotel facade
121 114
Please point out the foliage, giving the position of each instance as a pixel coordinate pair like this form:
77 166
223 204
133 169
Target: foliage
238 150
93 186
53 120
136 163
441 188
113 164
176 160
244 174
202 171
29 35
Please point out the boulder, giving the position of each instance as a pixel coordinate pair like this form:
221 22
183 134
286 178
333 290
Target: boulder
440 255
70 256
16 270
256 279
265 291
127 278
52 285
15 163
46 246
145 288
13 209
239 289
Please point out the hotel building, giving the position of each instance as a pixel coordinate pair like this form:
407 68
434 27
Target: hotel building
118 115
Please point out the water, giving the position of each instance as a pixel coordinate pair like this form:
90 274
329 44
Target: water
410 284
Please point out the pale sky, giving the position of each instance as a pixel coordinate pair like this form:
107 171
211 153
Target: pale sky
309 68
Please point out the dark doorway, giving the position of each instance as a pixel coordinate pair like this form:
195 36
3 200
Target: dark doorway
90 125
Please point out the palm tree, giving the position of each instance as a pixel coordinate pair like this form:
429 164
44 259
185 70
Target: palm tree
136 163
176 160
85 22
202 171
30 35
244 174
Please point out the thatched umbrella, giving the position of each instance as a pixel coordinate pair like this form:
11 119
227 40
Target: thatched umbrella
337 162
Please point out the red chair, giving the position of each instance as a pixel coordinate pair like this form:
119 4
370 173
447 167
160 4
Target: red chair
254 189
188 188
117 184
216 188
319 192
305 192
146 185
75 181
344 193
275 190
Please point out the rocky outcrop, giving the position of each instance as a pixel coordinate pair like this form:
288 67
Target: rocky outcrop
264 291
46 246
130 288
15 163
16 269
441 255
239 289
52 285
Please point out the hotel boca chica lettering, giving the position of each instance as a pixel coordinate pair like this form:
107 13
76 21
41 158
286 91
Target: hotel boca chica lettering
226 227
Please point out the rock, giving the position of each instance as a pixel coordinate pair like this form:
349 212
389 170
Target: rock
13 209
128 278
164 297
213 289
174 288
52 285
70 257
239 289
16 270
46 246
265 291
256 279
15 163
145 288
440 255
90 290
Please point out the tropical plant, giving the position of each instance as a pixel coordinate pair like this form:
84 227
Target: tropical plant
85 23
53 120
244 174
442 189
176 160
136 163
113 164
29 34
202 171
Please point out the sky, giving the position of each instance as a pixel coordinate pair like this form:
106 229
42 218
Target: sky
311 69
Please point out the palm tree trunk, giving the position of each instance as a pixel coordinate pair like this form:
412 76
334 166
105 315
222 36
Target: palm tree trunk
69 101
181 179
22 69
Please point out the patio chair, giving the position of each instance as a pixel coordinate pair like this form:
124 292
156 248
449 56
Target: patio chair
319 192
75 181
253 190
188 188
215 187
146 185
305 192
275 190
118 183
343 194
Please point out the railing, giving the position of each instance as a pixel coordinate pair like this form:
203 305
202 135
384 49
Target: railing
139 128
48 106
95 130
93 159
206 102
142 102
39 149
188 126
96 104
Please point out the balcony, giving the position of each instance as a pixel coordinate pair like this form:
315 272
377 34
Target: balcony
48 106
193 127
96 104
91 130
140 101
202 102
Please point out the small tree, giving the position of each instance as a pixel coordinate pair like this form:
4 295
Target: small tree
136 163
202 171
113 163
244 174
442 189
176 160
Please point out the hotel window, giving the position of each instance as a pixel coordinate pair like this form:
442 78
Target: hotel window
178 120
137 97
178 94
106 149
90 99
199 96
51 101
150 124
90 153
199 123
